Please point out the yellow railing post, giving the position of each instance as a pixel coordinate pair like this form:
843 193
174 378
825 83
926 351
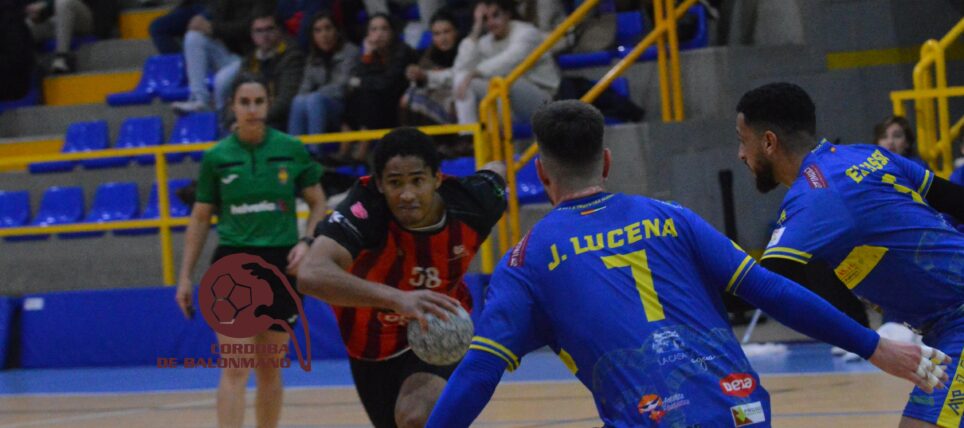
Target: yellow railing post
674 66
661 65
164 208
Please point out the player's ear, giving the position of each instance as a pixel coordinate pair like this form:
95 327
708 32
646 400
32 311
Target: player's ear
541 172
378 184
438 179
607 162
770 142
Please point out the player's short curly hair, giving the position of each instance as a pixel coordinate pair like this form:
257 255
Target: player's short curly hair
570 132
781 107
405 141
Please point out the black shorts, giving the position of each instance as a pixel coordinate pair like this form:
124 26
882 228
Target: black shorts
284 307
379 382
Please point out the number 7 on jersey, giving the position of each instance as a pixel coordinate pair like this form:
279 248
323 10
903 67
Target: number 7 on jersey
638 264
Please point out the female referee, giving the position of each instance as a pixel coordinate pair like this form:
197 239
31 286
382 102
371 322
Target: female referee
251 178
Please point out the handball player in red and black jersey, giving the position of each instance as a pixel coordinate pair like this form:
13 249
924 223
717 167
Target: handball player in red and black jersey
395 250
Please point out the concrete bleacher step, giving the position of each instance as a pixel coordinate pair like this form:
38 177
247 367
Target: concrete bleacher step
46 120
115 54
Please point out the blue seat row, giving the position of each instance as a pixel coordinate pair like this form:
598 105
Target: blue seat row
163 77
65 205
134 133
629 31
527 180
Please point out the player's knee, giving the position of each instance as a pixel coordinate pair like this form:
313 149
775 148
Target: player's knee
235 375
268 375
411 416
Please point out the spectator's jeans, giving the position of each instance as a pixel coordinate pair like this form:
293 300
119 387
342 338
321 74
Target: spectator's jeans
70 16
313 113
168 29
201 55
222 84
525 98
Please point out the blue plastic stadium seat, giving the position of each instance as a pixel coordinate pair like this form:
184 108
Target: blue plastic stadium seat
161 73
50 45
182 92
97 137
458 167
14 211
152 210
193 128
629 31
112 202
584 59
425 41
141 132
60 205
80 137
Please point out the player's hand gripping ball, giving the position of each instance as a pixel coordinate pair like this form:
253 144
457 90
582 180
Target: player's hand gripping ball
445 342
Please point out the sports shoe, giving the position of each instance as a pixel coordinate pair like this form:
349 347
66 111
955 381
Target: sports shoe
190 106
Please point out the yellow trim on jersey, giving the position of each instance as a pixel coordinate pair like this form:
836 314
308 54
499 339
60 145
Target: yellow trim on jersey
568 361
858 264
954 403
740 273
803 254
493 352
514 360
926 184
783 256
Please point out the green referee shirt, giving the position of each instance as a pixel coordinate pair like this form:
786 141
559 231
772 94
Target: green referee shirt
255 187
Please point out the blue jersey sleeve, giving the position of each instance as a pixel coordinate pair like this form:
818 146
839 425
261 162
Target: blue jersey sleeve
511 324
723 262
919 177
812 221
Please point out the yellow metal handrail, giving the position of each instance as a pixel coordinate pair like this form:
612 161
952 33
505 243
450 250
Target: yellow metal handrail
664 35
165 222
930 95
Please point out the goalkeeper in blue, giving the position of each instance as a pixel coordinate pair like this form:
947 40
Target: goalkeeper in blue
627 291
862 219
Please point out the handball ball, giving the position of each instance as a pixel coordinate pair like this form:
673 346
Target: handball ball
445 342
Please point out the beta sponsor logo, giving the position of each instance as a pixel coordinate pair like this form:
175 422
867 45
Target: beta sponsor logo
260 207
748 414
738 385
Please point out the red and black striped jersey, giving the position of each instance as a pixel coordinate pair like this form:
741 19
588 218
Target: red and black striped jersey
387 253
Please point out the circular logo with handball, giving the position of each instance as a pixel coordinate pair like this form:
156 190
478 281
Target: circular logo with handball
230 294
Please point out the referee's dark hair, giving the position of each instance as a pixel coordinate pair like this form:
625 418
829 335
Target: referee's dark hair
570 133
783 108
405 141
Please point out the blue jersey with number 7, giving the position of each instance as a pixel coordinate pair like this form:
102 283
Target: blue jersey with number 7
627 291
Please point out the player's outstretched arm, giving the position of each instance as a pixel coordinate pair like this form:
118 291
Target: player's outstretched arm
468 390
947 198
324 274
800 309
497 167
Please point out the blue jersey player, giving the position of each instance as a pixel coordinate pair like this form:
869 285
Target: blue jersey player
627 291
869 216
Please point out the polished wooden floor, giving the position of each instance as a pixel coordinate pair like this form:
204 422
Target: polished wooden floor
837 400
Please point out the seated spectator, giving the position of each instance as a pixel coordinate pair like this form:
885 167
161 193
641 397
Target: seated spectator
957 177
60 20
17 61
213 42
375 85
167 30
506 45
320 102
275 60
895 134
428 100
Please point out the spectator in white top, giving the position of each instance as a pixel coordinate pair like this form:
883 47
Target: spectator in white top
507 43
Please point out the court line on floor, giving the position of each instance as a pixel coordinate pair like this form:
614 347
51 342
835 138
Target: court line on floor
100 415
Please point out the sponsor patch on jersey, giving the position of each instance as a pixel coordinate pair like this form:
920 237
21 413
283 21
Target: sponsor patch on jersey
775 238
283 175
592 211
815 177
738 385
518 255
748 414
358 210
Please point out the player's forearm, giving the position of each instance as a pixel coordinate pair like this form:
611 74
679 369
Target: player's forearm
803 311
194 240
316 214
468 391
327 281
